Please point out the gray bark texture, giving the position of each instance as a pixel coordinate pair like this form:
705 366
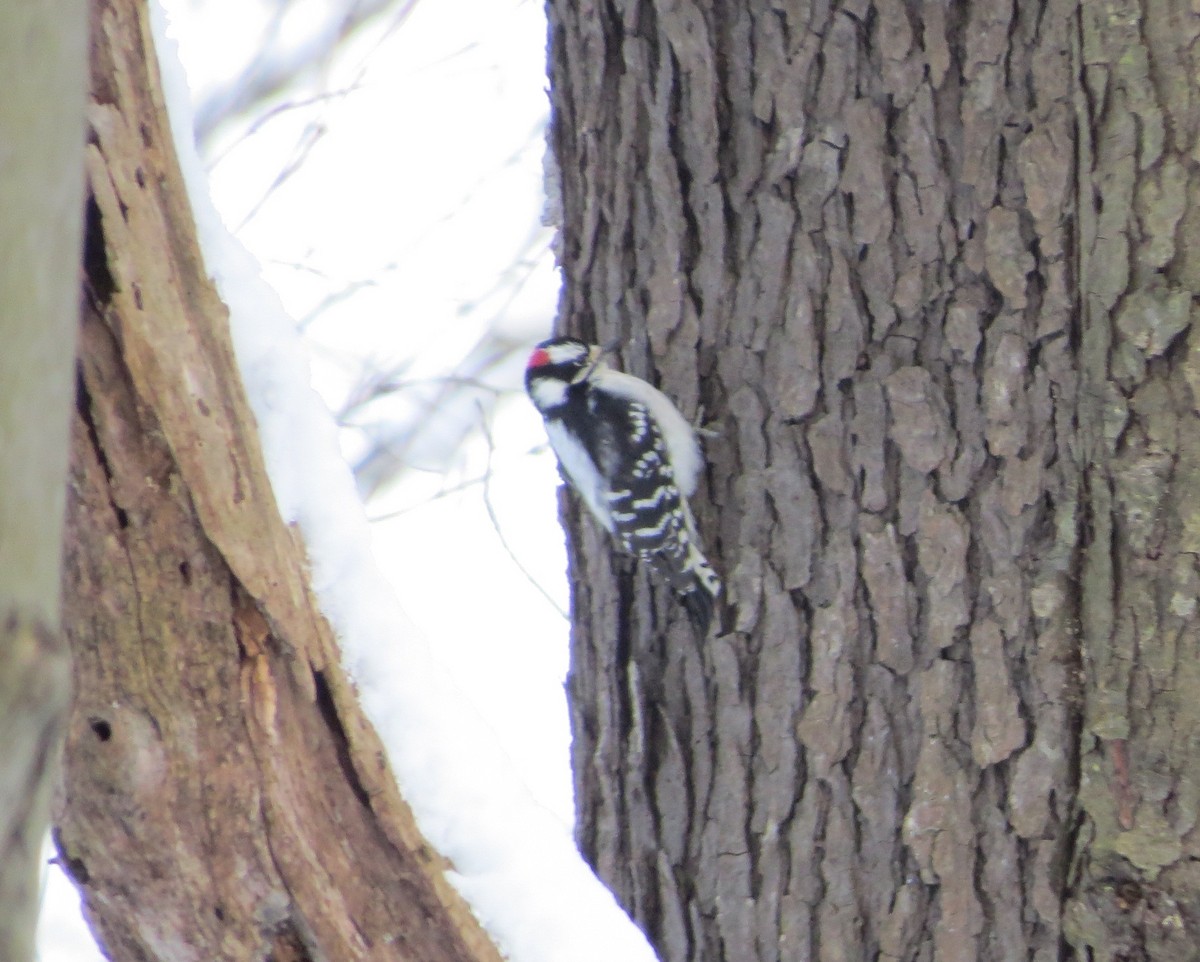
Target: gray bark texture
43 49
926 269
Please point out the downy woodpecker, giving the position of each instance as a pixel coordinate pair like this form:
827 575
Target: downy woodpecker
633 458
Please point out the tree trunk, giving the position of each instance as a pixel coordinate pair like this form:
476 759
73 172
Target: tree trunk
224 796
924 267
1136 871
43 49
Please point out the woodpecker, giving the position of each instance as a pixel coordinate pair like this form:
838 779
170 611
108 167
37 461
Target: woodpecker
633 458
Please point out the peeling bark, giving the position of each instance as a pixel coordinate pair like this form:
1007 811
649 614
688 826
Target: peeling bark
224 796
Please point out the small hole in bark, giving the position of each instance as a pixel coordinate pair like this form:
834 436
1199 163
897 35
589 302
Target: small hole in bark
219 913
185 572
122 518
102 728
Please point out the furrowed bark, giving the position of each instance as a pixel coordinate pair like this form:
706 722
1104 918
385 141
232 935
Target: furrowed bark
1137 893
847 233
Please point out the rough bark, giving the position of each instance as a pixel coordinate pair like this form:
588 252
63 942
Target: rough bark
42 47
224 796
924 267
1137 892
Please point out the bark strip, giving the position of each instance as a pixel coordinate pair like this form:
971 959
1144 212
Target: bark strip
1135 886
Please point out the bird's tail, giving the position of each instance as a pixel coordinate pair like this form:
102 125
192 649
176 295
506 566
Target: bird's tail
699 595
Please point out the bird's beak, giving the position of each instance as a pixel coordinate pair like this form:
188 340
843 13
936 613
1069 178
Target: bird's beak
595 359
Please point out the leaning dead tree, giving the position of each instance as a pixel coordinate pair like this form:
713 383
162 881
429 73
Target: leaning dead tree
224 796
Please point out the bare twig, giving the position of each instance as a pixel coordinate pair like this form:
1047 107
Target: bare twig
444 493
487 503
272 71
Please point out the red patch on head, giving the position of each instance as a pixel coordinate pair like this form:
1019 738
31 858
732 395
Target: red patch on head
538 358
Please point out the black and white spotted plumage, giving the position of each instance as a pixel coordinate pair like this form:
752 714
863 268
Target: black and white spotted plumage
633 458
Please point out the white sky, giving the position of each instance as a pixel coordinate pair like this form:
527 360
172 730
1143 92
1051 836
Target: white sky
422 193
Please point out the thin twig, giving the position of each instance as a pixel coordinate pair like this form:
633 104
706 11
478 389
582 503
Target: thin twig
487 503
444 492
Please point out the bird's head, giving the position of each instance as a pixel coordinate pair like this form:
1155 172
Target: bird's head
557 364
